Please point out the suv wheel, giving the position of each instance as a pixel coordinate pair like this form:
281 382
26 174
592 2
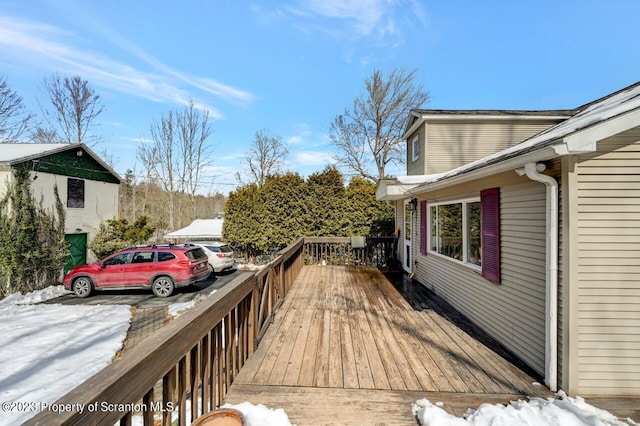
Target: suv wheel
162 286
82 287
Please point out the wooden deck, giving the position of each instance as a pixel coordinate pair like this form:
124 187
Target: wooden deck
347 348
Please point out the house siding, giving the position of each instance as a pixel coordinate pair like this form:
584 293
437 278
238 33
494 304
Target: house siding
556 169
6 177
512 311
417 167
607 274
473 141
101 203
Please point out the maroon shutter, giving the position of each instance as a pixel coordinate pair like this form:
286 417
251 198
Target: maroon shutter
490 212
423 227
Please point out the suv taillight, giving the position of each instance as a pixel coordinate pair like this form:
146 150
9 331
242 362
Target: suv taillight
221 255
185 263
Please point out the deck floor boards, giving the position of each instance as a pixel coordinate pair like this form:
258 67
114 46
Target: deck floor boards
345 339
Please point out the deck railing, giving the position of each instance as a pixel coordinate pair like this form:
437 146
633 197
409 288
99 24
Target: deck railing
373 251
185 370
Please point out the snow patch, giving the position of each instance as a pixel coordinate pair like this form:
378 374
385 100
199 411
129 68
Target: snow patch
565 411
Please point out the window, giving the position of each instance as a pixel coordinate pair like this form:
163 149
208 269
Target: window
455 231
164 256
75 193
118 259
407 221
143 257
415 147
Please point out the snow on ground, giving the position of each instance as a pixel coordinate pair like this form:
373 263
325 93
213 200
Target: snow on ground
47 350
259 415
565 411
177 309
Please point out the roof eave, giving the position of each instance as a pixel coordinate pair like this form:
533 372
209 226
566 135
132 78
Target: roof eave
424 117
67 147
464 176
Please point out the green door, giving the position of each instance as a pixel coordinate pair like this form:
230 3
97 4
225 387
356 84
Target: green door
77 244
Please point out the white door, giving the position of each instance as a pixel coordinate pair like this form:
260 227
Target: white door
407 257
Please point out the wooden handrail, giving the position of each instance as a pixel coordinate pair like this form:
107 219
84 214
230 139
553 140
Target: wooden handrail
196 356
378 251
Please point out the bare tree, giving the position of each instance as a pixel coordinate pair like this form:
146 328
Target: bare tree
178 156
147 157
368 135
42 135
14 119
76 107
165 158
193 131
266 156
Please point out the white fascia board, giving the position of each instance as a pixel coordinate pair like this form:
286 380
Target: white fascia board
544 154
394 191
397 191
398 188
586 140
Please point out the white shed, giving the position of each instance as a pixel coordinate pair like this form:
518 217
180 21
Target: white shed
199 229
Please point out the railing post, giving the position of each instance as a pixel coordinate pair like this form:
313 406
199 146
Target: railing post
253 318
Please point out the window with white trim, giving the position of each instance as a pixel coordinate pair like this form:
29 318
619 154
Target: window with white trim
415 148
455 230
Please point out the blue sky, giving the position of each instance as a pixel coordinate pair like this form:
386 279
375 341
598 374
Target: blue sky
292 66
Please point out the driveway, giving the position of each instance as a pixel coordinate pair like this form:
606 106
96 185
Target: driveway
145 298
151 313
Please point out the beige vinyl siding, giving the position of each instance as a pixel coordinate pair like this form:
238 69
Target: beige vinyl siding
562 333
608 267
452 145
513 311
416 167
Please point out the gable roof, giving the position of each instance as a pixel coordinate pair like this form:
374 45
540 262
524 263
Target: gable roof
15 153
418 116
590 123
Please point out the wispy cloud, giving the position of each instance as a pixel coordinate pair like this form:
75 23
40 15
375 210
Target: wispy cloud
50 48
140 140
314 158
304 135
377 20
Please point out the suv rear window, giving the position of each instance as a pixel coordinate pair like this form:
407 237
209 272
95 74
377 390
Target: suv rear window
163 256
195 253
218 249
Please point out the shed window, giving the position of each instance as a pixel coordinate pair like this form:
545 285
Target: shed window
75 193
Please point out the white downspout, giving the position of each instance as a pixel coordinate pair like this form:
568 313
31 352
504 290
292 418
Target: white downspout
532 170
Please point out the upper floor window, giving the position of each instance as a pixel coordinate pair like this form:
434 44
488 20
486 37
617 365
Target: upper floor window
75 193
415 148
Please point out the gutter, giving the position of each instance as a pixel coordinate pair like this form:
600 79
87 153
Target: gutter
532 171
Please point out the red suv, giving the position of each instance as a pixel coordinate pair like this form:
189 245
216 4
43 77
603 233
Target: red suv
161 268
